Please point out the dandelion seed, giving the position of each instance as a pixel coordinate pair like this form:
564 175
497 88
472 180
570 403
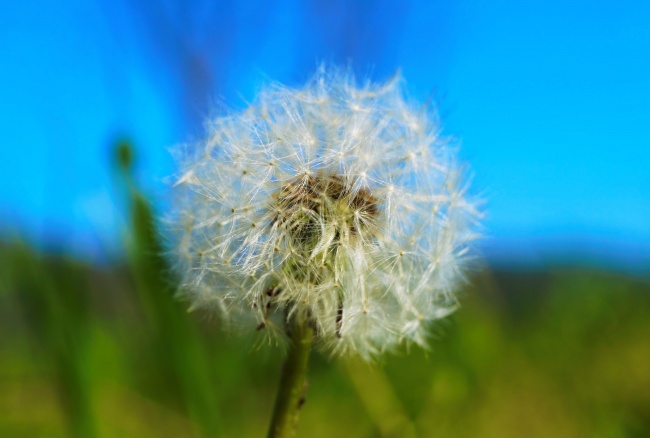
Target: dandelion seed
337 204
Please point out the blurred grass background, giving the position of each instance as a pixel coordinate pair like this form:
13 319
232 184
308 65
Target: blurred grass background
107 351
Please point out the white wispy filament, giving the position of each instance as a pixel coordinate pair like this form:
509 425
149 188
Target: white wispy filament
336 204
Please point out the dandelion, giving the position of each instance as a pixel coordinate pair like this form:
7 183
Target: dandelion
334 214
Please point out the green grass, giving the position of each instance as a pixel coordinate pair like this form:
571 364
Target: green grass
83 352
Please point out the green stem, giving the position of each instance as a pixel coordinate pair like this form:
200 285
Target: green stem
293 383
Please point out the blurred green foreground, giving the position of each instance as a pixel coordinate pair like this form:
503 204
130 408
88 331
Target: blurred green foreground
88 351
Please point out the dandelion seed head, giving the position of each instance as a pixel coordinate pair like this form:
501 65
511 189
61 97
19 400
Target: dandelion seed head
339 204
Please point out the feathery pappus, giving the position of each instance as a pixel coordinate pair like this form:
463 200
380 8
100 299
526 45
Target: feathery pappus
338 204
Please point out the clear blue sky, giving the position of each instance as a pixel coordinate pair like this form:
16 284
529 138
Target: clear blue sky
551 101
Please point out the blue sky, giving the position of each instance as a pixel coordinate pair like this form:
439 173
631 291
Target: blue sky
550 99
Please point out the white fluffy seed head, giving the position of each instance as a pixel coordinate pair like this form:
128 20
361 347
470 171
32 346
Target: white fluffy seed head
336 204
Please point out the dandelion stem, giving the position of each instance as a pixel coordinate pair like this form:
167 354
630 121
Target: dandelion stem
293 383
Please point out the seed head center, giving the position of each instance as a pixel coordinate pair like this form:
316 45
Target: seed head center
324 206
